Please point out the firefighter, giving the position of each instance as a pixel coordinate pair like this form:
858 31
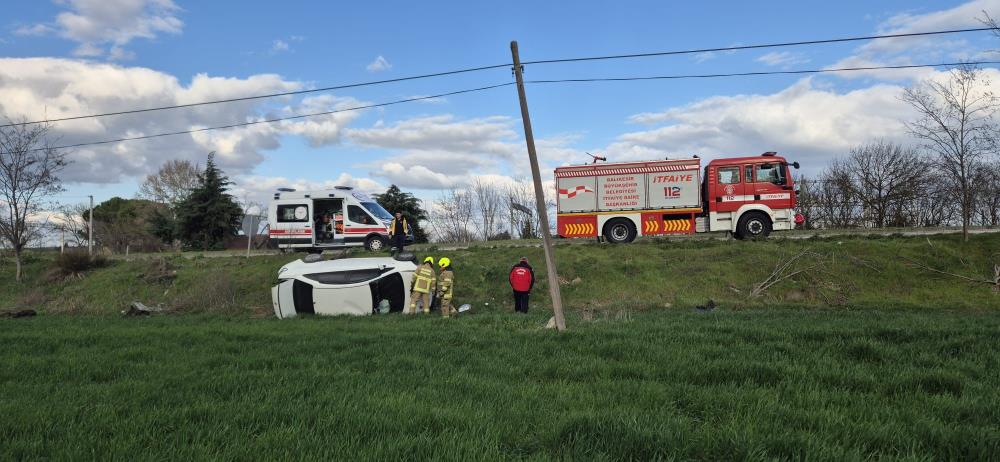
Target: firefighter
522 280
422 286
446 286
398 230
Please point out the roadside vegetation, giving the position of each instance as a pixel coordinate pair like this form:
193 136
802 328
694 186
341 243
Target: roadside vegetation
845 273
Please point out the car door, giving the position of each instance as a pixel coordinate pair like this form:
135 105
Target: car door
358 224
730 193
770 185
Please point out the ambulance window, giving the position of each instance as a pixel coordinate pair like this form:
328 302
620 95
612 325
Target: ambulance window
358 215
296 213
729 175
770 173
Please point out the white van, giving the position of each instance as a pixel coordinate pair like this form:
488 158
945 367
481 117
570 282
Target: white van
313 221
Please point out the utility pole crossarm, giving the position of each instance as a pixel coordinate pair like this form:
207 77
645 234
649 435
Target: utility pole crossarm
543 216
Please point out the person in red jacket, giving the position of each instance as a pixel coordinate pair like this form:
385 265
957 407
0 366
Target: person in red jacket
522 279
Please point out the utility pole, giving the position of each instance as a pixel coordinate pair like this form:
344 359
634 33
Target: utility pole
90 229
543 216
250 235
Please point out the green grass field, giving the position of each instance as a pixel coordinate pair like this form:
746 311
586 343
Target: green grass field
785 384
865 355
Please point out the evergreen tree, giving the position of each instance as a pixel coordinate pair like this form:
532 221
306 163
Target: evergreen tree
394 200
208 215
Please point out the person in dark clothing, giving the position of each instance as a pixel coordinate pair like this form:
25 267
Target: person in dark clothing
398 230
522 280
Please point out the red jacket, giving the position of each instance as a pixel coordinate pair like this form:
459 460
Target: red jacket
522 277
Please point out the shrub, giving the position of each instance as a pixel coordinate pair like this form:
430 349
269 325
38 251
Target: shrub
76 263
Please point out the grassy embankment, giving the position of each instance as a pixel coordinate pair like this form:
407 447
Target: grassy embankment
855 273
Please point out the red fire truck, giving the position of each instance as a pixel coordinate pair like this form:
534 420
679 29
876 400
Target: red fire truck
747 196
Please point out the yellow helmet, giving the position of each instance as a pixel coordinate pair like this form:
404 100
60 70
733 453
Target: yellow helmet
429 260
444 261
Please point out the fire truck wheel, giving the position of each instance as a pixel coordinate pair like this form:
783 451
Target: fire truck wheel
619 231
374 244
753 225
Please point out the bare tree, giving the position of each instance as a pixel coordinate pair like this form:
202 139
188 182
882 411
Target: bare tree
520 206
171 184
29 169
836 206
454 212
490 204
987 183
808 205
955 121
69 222
883 177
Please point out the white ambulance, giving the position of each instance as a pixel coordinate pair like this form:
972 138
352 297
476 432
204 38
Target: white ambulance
313 221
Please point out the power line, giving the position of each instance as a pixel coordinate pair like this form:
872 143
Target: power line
752 47
745 74
494 66
272 120
269 95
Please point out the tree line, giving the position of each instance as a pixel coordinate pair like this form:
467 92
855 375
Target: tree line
951 175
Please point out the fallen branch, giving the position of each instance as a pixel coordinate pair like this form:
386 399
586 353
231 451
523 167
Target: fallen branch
994 283
779 274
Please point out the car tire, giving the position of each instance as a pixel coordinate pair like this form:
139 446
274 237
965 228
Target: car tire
619 231
375 244
753 226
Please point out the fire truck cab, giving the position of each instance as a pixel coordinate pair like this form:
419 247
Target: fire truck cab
747 196
314 221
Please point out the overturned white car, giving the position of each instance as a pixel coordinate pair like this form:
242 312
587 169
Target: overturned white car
356 286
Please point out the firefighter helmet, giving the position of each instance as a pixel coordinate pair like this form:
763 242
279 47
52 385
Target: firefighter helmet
444 261
429 260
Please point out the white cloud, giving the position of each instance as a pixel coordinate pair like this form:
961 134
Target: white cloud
104 27
921 49
261 188
710 55
807 123
440 152
380 64
34 30
482 136
39 88
782 58
279 45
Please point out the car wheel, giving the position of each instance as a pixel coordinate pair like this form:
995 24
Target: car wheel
375 244
619 231
753 226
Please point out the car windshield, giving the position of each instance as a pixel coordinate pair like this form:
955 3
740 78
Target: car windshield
377 210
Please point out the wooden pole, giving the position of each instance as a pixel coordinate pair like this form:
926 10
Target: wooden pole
543 216
90 229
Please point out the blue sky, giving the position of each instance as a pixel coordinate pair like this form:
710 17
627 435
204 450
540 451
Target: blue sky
74 57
